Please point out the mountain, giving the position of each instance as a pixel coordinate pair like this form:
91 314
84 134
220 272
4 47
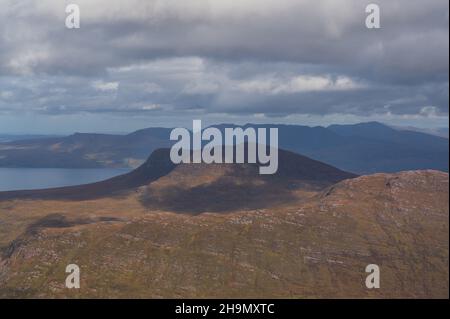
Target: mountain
85 150
195 188
381 132
374 147
439 131
317 244
364 148
361 148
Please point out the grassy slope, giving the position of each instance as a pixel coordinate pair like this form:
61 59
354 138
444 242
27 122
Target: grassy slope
312 248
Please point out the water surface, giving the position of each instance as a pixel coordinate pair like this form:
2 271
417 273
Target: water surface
36 178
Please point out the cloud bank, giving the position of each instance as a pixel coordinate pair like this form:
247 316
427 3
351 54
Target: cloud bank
275 59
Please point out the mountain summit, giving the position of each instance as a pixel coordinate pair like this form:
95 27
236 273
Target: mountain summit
201 183
196 188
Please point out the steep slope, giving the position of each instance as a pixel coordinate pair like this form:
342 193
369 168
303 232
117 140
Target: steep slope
312 248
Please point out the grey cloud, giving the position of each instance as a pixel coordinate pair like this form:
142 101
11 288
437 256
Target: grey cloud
170 56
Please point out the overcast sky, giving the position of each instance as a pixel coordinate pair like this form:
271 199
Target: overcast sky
140 63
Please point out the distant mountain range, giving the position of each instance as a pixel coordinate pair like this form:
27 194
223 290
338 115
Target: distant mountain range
360 148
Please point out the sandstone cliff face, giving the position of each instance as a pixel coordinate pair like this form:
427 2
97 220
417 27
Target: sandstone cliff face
312 247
